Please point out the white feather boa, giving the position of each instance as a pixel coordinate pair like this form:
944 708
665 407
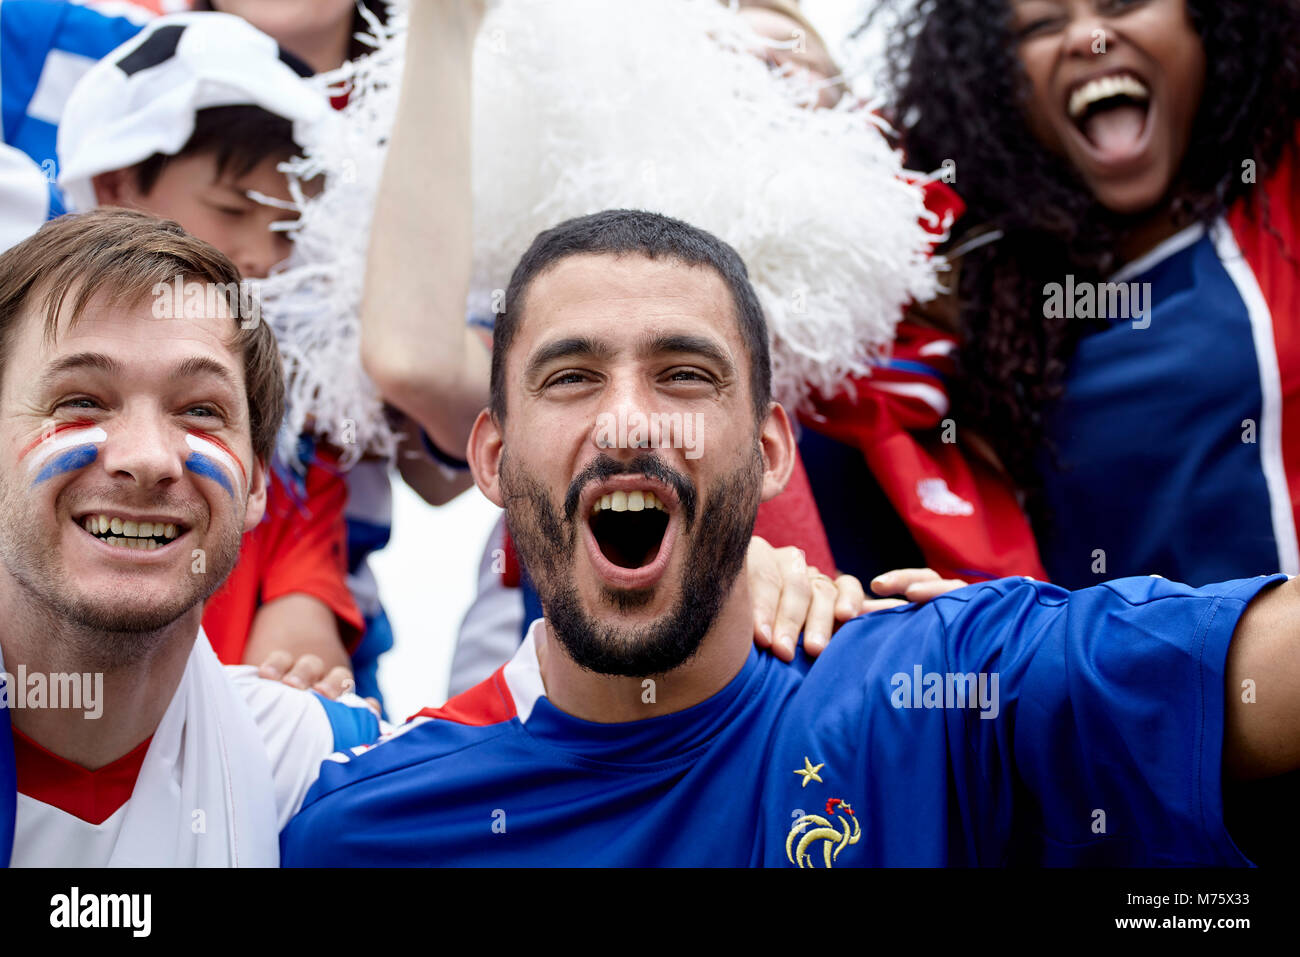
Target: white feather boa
587 105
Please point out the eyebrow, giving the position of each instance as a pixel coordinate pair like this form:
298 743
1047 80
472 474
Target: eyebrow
696 345
196 366
192 367
571 347
574 347
77 361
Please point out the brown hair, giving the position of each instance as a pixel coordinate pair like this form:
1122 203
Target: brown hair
124 254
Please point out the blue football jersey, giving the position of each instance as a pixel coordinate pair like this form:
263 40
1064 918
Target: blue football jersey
1007 722
1183 427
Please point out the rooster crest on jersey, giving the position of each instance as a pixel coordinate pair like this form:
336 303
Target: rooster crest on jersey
836 830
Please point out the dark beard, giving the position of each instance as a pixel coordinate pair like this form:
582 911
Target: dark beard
716 541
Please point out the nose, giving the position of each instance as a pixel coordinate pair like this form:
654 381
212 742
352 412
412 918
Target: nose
144 448
1089 35
623 415
261 250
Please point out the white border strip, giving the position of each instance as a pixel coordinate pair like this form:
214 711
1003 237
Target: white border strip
41 455
523 673
1174 244
1270 384
934 398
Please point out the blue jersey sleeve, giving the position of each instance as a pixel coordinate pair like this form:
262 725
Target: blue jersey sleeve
1016 723
352 723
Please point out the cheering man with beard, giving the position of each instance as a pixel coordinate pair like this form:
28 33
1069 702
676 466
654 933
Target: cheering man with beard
1007 722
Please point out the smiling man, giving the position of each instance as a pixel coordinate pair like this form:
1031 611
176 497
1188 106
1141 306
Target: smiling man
190 121
133 457
1009 721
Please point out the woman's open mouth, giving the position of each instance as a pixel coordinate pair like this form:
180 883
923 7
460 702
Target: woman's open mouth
1111 114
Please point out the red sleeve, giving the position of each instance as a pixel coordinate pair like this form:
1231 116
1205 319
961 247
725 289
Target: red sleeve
792 519
1266 225
228 615
298 548
307 549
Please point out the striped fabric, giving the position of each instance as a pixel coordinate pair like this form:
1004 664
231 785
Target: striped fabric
963 515
45 48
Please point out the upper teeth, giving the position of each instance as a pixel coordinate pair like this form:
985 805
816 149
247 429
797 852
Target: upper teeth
1103 88
627 502
122 529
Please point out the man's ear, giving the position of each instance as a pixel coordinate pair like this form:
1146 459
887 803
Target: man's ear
776 441
115 188
256 506
485 448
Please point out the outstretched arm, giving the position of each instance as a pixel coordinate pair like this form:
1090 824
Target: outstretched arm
415 343
1262 724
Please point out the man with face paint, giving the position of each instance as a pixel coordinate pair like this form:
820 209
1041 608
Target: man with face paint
189 120
133 455
638 726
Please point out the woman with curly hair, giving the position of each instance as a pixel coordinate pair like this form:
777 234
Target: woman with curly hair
1128 271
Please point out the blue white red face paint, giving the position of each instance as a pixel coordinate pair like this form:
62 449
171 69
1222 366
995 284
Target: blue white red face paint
75 445
212 459
65 448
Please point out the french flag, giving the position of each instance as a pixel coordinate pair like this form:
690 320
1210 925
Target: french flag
67 447
213 459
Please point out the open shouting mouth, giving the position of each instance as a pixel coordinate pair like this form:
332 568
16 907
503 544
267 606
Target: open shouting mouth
1111 114
630 528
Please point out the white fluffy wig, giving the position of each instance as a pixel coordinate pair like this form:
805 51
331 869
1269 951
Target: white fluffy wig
587 105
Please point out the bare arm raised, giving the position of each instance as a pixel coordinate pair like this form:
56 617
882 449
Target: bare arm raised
415 342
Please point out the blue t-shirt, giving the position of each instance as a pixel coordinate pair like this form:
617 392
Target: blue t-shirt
1007 722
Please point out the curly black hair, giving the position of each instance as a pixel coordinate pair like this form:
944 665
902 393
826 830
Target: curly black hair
964 102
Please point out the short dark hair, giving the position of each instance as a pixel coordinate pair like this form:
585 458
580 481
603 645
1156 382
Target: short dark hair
238 137
624 231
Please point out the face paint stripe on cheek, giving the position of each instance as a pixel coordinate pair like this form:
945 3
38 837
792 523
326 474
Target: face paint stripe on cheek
67 448
212 459
51 434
